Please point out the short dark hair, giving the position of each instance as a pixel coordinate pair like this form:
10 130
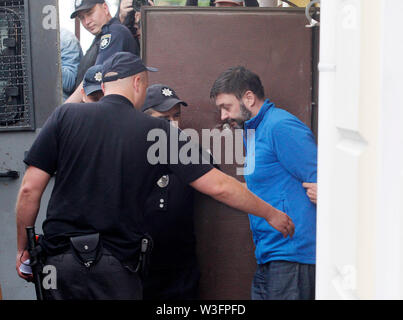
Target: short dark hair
236 81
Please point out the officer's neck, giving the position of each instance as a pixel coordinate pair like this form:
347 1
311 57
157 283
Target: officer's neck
128 96
107 21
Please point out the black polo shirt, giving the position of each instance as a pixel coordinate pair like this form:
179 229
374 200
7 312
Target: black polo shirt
115 37
103 177
169 221
169 218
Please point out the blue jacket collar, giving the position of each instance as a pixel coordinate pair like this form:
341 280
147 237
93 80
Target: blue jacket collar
255 121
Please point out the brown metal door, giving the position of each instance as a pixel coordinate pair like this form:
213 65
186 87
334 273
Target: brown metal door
191 47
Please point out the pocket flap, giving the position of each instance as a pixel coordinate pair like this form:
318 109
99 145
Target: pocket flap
85 244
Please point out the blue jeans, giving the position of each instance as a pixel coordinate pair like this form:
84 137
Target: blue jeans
283 280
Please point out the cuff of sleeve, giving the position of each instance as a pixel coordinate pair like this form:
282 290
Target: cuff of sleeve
198 173
37 164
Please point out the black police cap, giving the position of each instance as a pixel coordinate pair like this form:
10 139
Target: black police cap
80 5
122 65
93 79
161 98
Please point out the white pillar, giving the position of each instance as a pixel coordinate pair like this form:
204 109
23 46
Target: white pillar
360 172
389 221
325 270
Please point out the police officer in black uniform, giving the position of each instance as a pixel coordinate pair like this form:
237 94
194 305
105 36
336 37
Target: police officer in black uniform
94 229
173 272
110 37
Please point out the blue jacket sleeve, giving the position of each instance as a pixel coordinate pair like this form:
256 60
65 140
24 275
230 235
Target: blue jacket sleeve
296 149
71 55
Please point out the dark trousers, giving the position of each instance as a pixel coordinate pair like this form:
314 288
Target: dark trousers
108 279
172 284
283 280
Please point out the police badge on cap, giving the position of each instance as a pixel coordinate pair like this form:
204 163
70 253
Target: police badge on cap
167 92
161 98
98 76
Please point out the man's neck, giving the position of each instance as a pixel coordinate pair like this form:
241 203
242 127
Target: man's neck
256 107
109 20
121 93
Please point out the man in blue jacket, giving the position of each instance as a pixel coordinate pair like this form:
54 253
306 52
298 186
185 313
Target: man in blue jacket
284 175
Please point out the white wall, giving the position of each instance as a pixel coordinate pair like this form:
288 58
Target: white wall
389 243
360 173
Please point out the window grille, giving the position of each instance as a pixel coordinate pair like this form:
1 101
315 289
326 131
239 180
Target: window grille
16 104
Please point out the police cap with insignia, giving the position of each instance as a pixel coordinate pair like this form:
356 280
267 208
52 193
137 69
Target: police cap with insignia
161 98
93 79
122 65
80 5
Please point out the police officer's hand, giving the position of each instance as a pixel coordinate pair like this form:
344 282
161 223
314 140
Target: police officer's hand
281 222
22 256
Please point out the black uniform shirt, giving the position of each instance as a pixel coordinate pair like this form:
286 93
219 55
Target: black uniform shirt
115 37
169 217
103 177
169 221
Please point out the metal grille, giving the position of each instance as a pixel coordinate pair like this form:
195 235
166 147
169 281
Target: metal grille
16 111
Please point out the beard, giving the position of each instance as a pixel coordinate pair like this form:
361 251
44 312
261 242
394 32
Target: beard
238 123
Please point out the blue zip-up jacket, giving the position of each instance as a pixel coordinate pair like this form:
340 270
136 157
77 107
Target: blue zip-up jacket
285 156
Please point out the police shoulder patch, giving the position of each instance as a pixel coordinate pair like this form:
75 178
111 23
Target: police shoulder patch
105 41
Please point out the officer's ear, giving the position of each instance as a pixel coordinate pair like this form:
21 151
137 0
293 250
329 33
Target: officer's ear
105 8
83 96
139 80
136 82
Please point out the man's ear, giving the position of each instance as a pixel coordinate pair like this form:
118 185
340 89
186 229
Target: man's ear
103 87
249 99
105 7
83 95
136 82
